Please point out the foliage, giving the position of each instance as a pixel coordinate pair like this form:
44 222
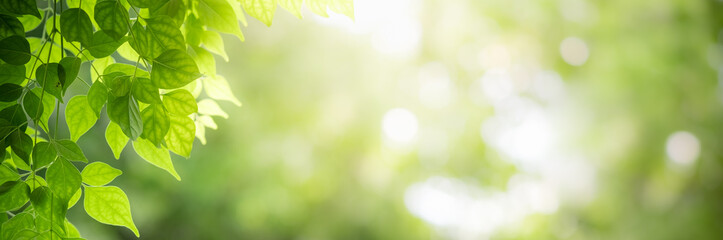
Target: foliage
149 61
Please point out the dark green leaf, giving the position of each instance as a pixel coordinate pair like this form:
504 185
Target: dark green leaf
112 18
15 50
173 69
50 206
20 7
13 195
180 102
10 92
124 112
75 25
32 105
12 73
97 97
175 9
155 123
9 26
119 85
71 66
51 77
63 178
48 107
43 154
102 45
69 150
22 145
15 116
144 91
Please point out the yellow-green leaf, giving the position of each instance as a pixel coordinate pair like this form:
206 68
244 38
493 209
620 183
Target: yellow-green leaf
155 123
263 10
180 102
219 15
158 156
116 139
217 88
180 136
210 107
99 174
109 205
173 69
112 18
79 116
63 178
75 25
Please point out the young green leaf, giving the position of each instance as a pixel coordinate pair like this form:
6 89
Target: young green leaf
112 18
75 25
143 3
50 207
13 195
118 84
49 77
217 88
99 174
43 154
173 69
15 50
205 61
210 107
219 15
76 196
17 224
63 178
293 6
263 10
213 42
124 112
69 150
8 174
9 26
97 97
12 73
34 181
159 157
144 91
79 116
175 9
180 102
20 7
71 66
116 139
100 65
180 136
143 43
163 30
155 123
109 205
126 69
102 45
10 92
32 105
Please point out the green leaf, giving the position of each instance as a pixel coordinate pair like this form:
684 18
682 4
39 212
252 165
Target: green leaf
9 26
20 7
30 22
15 50
49 77
263 10
163 30
17 224
155 123
210 107
124 112
205 61
97 97
144 3
159 157
99 174
35 181
69 150
71 66
219 15
144 91
213 42
173 69
13 195
32 105
126 69
74 199
109 205
43 154
100 65
112 18
116 139
50 207
12 73
293 6
175 9
118 84
75 25
79 116
143 43
102 45
180 102
21 144
10 92
63 178
48 107
8 174
14 115
345 7
180 136
217 88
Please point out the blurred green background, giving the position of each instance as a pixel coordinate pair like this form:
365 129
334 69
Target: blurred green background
456 119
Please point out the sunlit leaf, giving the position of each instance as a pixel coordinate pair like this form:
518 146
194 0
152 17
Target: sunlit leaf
97 97
69 150
180 136
155 123
180 102
49 206
8 174
175 9
99 65
71 66
63 178
145 91
219 15
22 221
163 30
126 69
116 139
75 25
173 69
109 205
217 88
112 18
293 6
124 112
13 195
102 45
76 196
30 22
43 154
119 85
79 116
210 107
205 61
99 174
263 10
158 156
